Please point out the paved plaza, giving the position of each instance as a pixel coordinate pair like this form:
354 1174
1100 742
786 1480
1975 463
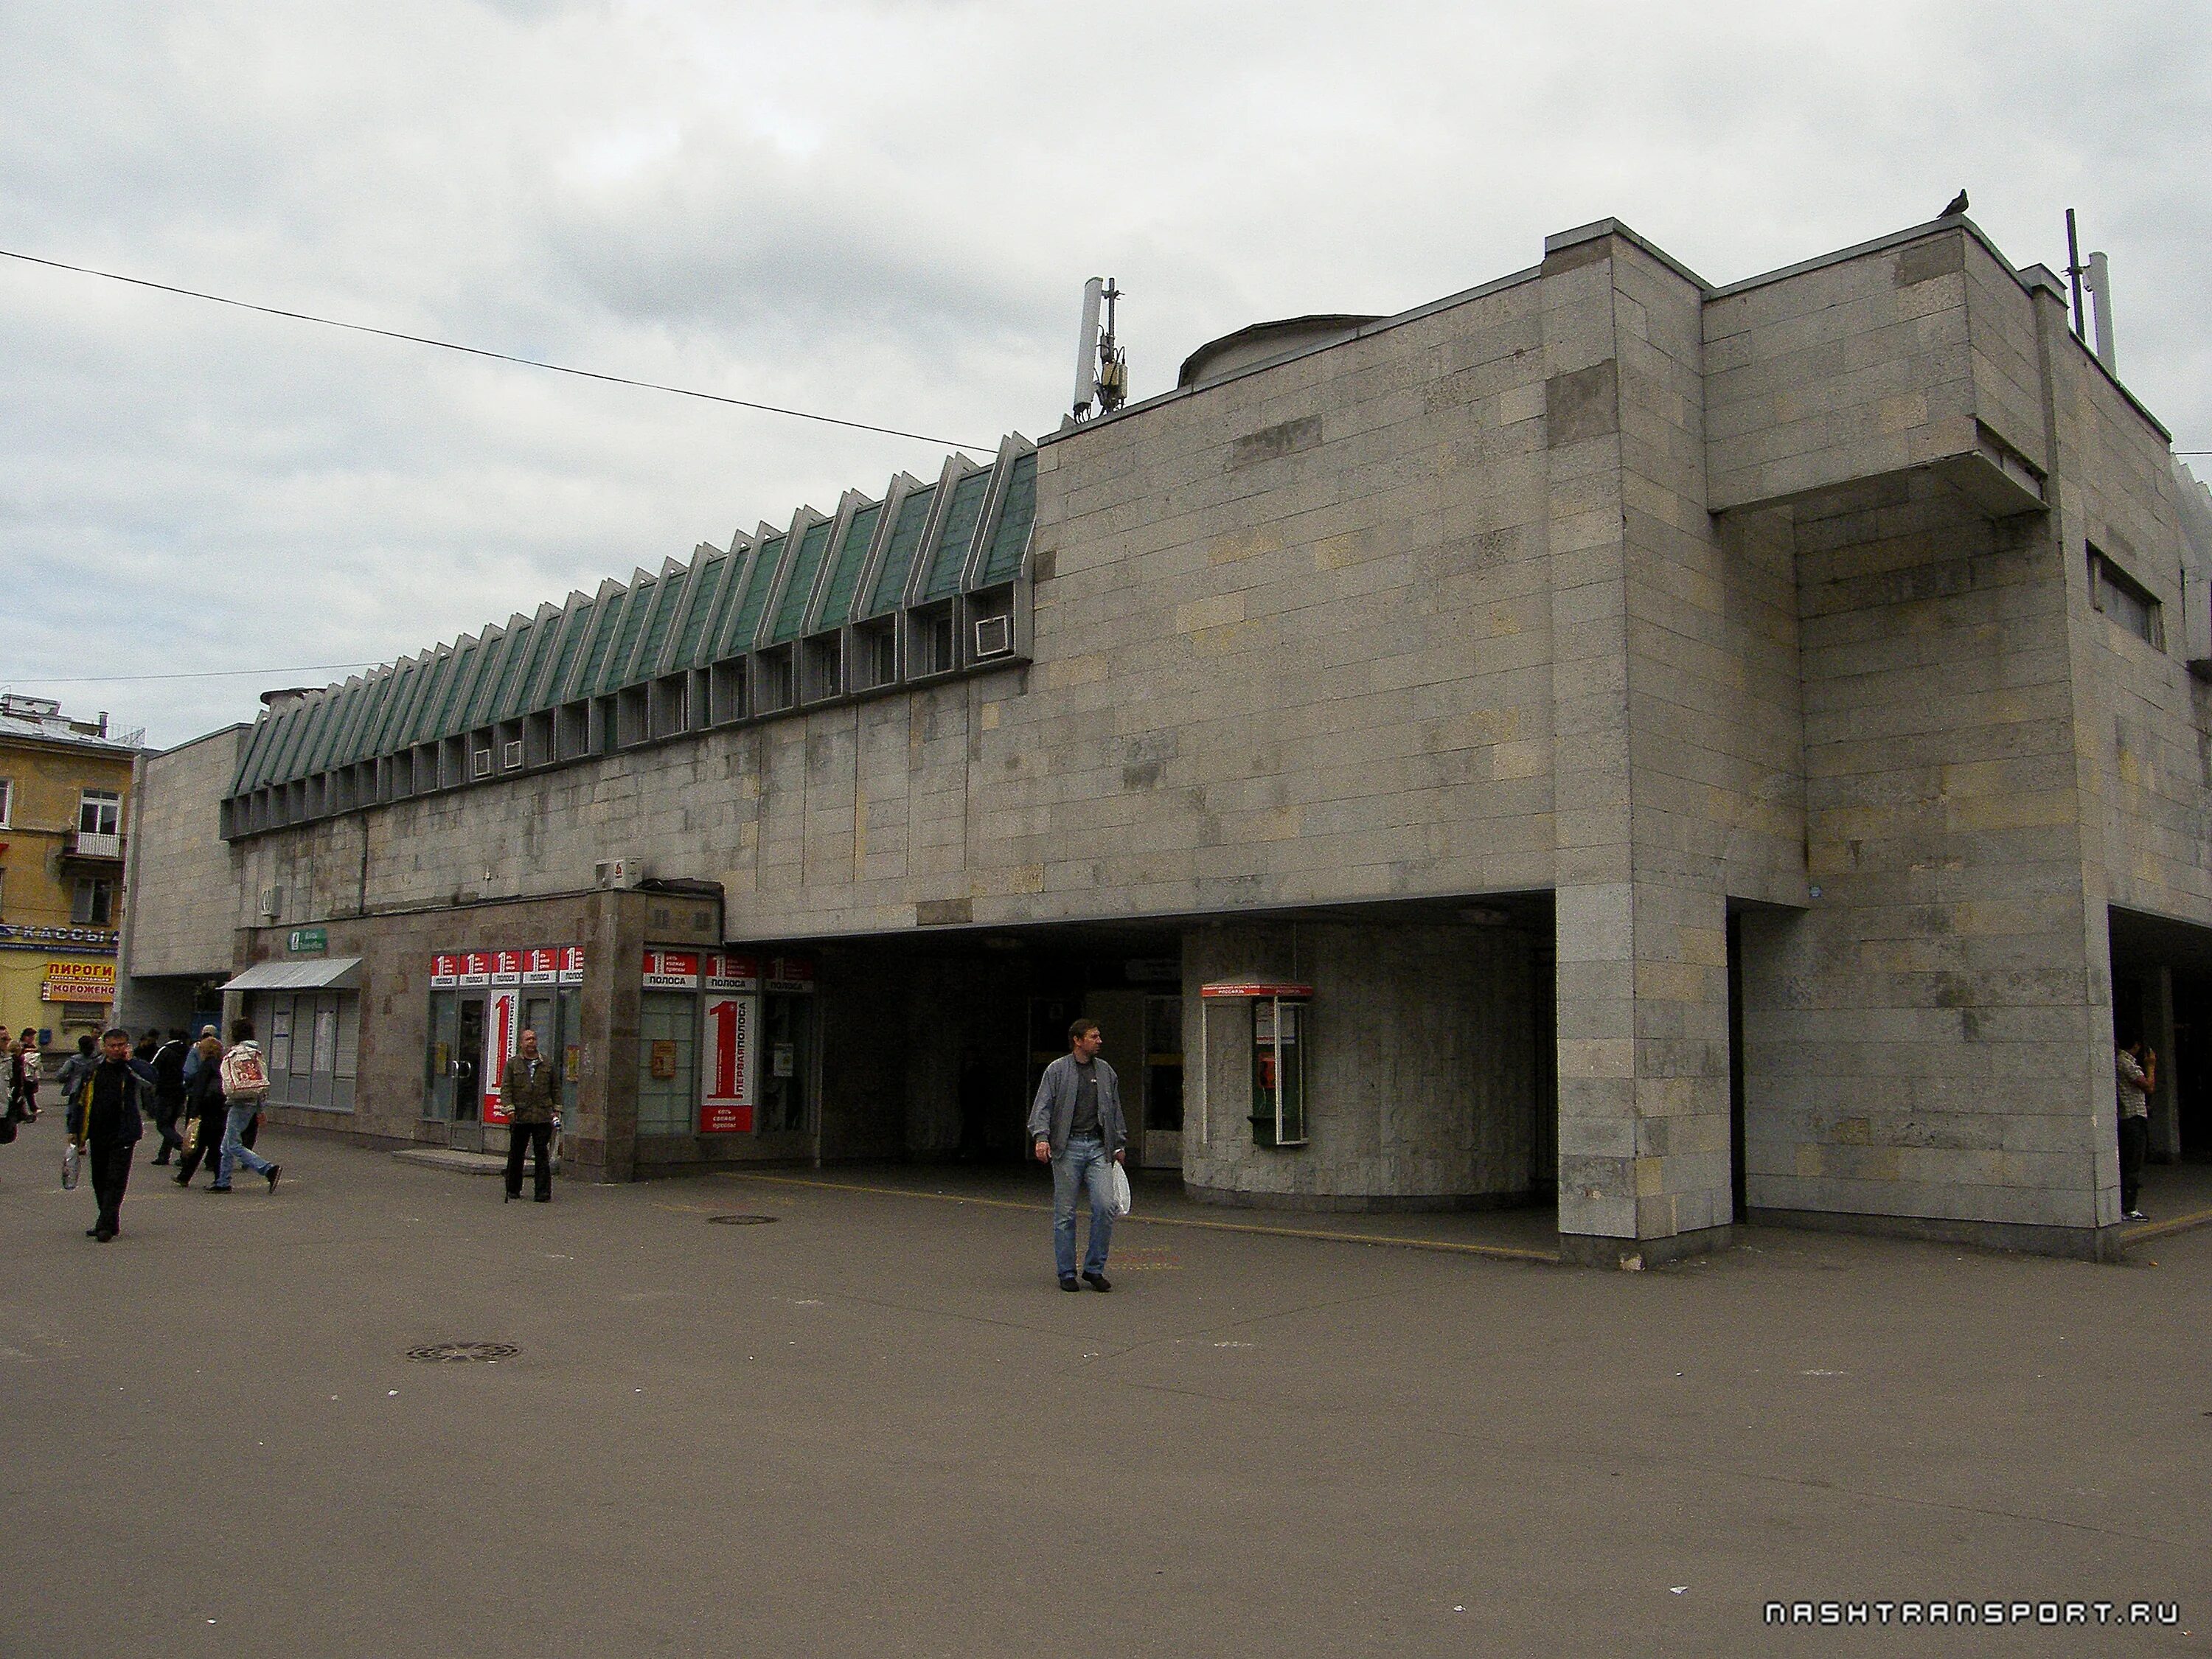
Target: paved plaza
870 1425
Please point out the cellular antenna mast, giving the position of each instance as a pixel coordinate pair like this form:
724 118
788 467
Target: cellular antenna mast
1102 367
2096 278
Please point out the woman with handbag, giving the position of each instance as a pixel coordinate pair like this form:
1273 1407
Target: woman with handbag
203 1103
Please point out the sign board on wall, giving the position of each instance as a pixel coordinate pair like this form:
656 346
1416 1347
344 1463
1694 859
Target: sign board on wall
729 973
78 982
670 970
727 1094
790 975
545 964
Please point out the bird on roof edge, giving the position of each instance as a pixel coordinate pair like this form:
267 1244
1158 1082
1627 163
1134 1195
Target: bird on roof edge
1957 206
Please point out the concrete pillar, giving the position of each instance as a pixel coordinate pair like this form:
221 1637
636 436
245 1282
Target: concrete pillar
1641 928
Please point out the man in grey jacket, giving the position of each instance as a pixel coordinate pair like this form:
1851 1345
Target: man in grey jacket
1077 1127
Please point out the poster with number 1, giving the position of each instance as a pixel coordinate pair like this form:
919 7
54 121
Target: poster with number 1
725 1103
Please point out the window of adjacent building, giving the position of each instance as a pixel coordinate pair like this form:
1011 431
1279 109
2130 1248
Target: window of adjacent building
95 902
2125 600
98 813
7 800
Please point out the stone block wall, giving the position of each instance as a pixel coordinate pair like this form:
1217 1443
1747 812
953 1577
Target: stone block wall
1921 1041
189 875
1850 368
1421 1070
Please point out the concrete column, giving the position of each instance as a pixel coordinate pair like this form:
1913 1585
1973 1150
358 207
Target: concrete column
1641 929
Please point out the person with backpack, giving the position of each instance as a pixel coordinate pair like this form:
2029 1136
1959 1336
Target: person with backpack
170 1094
245 1079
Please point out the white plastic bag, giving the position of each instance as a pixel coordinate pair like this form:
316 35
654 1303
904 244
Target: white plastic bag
71 1160
1120 1191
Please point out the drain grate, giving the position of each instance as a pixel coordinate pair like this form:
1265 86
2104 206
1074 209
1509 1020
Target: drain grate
440 1354
740 1220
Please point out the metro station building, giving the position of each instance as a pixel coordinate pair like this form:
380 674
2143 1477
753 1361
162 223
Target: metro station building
1683 752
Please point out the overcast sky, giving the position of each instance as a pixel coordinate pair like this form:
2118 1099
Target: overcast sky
884 212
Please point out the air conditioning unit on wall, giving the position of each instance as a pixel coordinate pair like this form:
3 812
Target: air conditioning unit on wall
618 872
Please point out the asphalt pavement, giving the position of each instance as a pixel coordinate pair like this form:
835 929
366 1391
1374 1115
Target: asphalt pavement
871 1424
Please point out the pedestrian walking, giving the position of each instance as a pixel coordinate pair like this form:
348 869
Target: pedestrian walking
526 1090
2135 1067
169 1093
79 1065
1076 1125
106 1119
24 1065
203 1102
192 1060
244 1078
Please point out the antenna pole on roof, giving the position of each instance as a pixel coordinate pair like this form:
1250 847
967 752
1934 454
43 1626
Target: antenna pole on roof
1102 367
2073 269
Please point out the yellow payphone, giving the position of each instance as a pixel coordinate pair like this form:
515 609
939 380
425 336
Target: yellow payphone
1278 1035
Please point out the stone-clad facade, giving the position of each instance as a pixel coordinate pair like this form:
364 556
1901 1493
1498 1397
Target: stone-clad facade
1672 729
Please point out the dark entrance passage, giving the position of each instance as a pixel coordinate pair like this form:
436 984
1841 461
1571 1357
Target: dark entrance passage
932 1047
2162 995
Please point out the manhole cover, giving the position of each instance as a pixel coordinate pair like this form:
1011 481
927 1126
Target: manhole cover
740 1220
435 1353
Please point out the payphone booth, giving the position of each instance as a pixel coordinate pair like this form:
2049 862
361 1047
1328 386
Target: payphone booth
1274 1023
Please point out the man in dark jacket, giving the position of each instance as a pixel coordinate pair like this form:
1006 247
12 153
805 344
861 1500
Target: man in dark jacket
169 1093
106 1121
526 1090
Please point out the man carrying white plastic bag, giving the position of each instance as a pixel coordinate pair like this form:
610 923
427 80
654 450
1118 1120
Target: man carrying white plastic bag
1077 1127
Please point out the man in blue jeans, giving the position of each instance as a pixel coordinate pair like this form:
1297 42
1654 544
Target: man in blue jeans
244 1090
1077 1127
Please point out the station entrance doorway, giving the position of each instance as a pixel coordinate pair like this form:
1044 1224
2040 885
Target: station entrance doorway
932 1048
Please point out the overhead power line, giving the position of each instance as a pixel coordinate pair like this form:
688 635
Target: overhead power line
497 356
210 674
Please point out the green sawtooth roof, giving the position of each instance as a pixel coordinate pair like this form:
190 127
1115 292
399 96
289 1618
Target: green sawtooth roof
791 610
688 617
898 553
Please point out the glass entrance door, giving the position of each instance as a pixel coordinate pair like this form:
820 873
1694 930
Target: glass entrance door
468 1062
445 1043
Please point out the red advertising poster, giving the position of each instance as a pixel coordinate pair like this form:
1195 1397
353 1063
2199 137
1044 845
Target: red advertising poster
671 970
726 1104
475 967
790 974
501 1038
506 967
445 973
541 966
571 964
726 972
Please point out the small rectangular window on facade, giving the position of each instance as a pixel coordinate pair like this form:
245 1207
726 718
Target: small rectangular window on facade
7 800
95 902
98 813
2125 600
